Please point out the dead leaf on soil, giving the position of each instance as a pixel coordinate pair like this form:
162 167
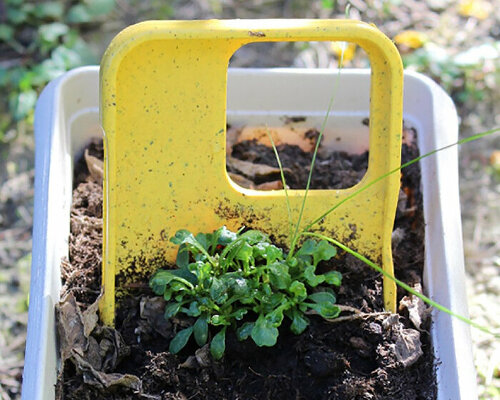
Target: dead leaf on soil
417 310
70 327
90 317
231 138
291 135
106 380
241 180
95 166
252 170
408 347
248 184
91 348
273 185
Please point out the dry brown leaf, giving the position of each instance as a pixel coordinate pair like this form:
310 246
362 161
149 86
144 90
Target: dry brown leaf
90 317
95 166
231 138
292 135
70 327
104 380
417 310
251 170
407 347
241 180
273 185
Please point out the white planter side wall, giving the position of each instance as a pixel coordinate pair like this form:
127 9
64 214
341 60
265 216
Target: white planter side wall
67 117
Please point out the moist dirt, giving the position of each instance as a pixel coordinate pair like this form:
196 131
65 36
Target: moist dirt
364 354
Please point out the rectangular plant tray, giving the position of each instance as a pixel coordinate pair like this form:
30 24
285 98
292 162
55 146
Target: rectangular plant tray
67 117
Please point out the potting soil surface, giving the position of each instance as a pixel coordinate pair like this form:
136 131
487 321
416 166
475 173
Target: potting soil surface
364 354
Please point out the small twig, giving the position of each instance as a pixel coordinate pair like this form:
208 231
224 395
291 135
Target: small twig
358 314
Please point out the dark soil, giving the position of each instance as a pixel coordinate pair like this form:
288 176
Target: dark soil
349 168
357 356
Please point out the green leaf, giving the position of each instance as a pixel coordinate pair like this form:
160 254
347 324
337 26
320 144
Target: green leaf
324 251
202 270
328 4
244 252
326 310
16 16
225 236
333 278
193 310
200 329
264 333
244 331
50 33
164 277
65 57
184 275
218 291
218 344
218 320
205 239
79 14
47 71
180 236
254 236
50 9
279 276
24 103
239 314
239 286
268 252
183 236
26 82
6 32
168 294
298 290
172 309
275 318
307 249
182 259
299 322
322 297
276 299
180 340
98 8
312 279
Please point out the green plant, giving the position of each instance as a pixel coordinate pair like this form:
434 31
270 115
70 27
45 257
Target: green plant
242 281
40 41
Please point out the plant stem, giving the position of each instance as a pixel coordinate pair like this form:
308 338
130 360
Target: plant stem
296 234
283 181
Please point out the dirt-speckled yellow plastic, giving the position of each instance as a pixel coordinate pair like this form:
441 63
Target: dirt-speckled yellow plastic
163 104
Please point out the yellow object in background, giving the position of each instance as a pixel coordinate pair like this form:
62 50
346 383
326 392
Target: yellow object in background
163 110
411 39
479 9
344 51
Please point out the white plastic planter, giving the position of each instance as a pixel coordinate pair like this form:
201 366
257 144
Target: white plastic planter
67 117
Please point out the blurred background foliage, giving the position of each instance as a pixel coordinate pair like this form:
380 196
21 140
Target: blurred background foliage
40 40
455 42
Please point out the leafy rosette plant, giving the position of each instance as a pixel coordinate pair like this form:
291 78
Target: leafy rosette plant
242 281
